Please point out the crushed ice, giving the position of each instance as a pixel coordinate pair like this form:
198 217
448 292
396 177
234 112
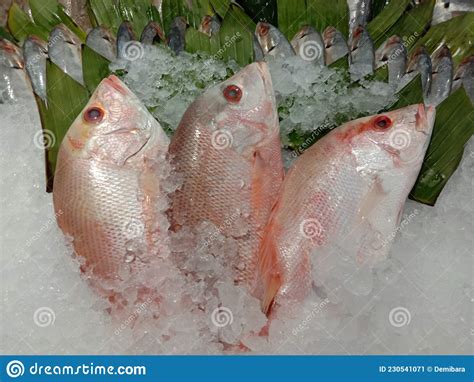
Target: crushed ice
419 301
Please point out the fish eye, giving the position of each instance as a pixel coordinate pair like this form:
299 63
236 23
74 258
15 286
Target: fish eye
233 93
94 115
382 122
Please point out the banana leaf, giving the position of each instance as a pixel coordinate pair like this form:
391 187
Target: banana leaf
457 34
220 6
112 13
193 14
66 99
95 68
261 10
199 42
49 13
4 34
21 25
411 94
235 36
234 40
377 7
293 14
380 26
411 26
342 63
380 74
173 8
454 126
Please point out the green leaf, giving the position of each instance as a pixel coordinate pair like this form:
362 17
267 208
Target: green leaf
377 7
66 99
220 7
457 34
95 68
342 63
49 13
411 94
293 14
380 26
453 128
261 10
21 26
111 13
4 34
380 74
107 13
411 25
234 40
171 9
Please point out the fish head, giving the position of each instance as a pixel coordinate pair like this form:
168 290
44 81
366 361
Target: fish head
181 23
267 36
241 109
101 33
206 25
36 43
393 48
61 33
330 34
442 60
113 127
396 139
465 68
10 55
303 32
419 59
360 37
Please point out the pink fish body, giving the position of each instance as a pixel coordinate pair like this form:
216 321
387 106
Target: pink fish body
343 197
107 182
227 148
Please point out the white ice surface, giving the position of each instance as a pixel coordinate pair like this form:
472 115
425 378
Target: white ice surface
421 301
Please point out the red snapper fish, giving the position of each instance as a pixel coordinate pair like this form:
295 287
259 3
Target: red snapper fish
227 148
345 196
107 182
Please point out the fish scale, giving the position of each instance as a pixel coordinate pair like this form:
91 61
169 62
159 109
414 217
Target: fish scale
107 183
235 179
343 196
